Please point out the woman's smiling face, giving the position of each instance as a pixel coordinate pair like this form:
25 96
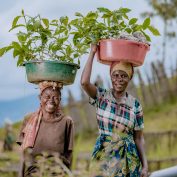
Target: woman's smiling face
119 80
50 100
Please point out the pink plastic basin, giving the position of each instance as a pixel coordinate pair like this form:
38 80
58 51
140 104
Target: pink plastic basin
111 50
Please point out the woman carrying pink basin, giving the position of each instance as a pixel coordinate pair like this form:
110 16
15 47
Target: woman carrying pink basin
119 116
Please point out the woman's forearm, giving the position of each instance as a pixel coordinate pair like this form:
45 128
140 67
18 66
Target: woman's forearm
86 74
68 156
141 150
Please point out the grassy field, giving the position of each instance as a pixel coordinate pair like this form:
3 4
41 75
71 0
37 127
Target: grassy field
161 118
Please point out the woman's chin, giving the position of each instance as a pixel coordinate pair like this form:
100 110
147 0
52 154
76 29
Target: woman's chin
50 108
119 89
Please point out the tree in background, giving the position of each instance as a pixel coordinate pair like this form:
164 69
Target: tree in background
167 11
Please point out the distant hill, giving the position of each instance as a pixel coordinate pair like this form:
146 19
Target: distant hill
16 109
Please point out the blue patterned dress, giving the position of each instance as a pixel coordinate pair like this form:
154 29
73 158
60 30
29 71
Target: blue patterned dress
113 146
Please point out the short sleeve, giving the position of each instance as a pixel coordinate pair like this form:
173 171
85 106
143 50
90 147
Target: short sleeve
139 120
100 94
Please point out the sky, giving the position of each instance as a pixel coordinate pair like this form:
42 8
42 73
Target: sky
13 82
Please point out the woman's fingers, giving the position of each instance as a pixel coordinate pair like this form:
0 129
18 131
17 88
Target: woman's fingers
94 48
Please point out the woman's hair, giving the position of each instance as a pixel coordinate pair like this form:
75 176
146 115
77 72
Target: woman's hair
132 72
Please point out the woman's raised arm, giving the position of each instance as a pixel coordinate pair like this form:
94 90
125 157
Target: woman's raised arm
86 74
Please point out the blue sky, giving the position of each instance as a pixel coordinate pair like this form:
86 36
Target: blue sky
13 83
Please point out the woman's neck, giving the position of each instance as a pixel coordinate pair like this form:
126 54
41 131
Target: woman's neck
48 116
118 95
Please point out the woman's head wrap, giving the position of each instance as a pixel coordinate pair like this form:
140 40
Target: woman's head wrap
46 84
123 66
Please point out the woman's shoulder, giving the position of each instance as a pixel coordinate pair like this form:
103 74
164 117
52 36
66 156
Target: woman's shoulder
28 116
133 100
68 118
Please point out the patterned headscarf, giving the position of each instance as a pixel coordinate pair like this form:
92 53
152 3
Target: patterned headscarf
123 66
46 84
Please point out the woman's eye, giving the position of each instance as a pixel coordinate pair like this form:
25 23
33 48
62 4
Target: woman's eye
46 97
124 76
116 75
